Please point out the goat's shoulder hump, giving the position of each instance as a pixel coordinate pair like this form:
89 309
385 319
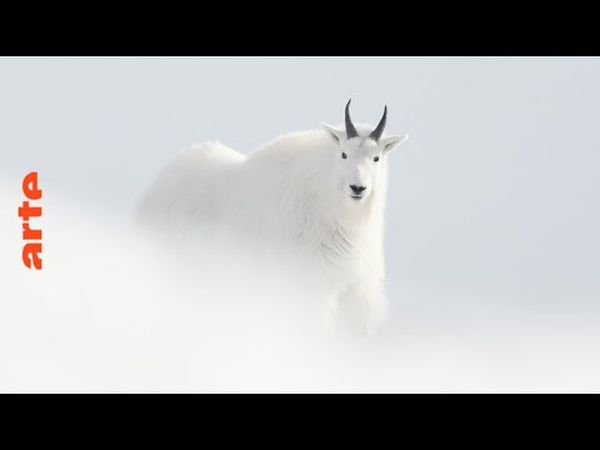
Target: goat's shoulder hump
292 144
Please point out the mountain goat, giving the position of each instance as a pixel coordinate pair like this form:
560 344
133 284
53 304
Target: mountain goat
319 193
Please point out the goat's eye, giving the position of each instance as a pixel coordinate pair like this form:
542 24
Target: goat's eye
344 156
376 159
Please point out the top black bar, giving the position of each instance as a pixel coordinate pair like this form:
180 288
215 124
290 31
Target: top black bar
320 33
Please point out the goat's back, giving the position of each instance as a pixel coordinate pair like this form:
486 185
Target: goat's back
189 185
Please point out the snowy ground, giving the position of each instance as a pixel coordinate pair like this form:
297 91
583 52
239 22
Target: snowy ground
106 315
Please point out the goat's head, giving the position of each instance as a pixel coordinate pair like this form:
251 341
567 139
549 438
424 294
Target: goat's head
360 156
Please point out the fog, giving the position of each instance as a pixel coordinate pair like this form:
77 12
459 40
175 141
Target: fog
491 241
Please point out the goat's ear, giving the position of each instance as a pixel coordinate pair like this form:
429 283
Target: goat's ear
391 142
334 133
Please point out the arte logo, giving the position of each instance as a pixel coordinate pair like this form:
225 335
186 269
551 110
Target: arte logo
32 250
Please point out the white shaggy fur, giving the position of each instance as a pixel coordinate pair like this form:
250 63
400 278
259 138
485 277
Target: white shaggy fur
291 196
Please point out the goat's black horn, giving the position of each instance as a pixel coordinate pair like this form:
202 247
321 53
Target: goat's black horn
350 130
378 131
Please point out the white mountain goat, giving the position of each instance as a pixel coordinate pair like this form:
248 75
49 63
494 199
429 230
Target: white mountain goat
320 193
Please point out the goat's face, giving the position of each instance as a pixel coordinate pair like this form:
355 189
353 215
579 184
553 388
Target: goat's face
359 163
361 155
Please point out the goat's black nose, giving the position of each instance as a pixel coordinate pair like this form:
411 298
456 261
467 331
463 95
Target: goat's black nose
357 189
